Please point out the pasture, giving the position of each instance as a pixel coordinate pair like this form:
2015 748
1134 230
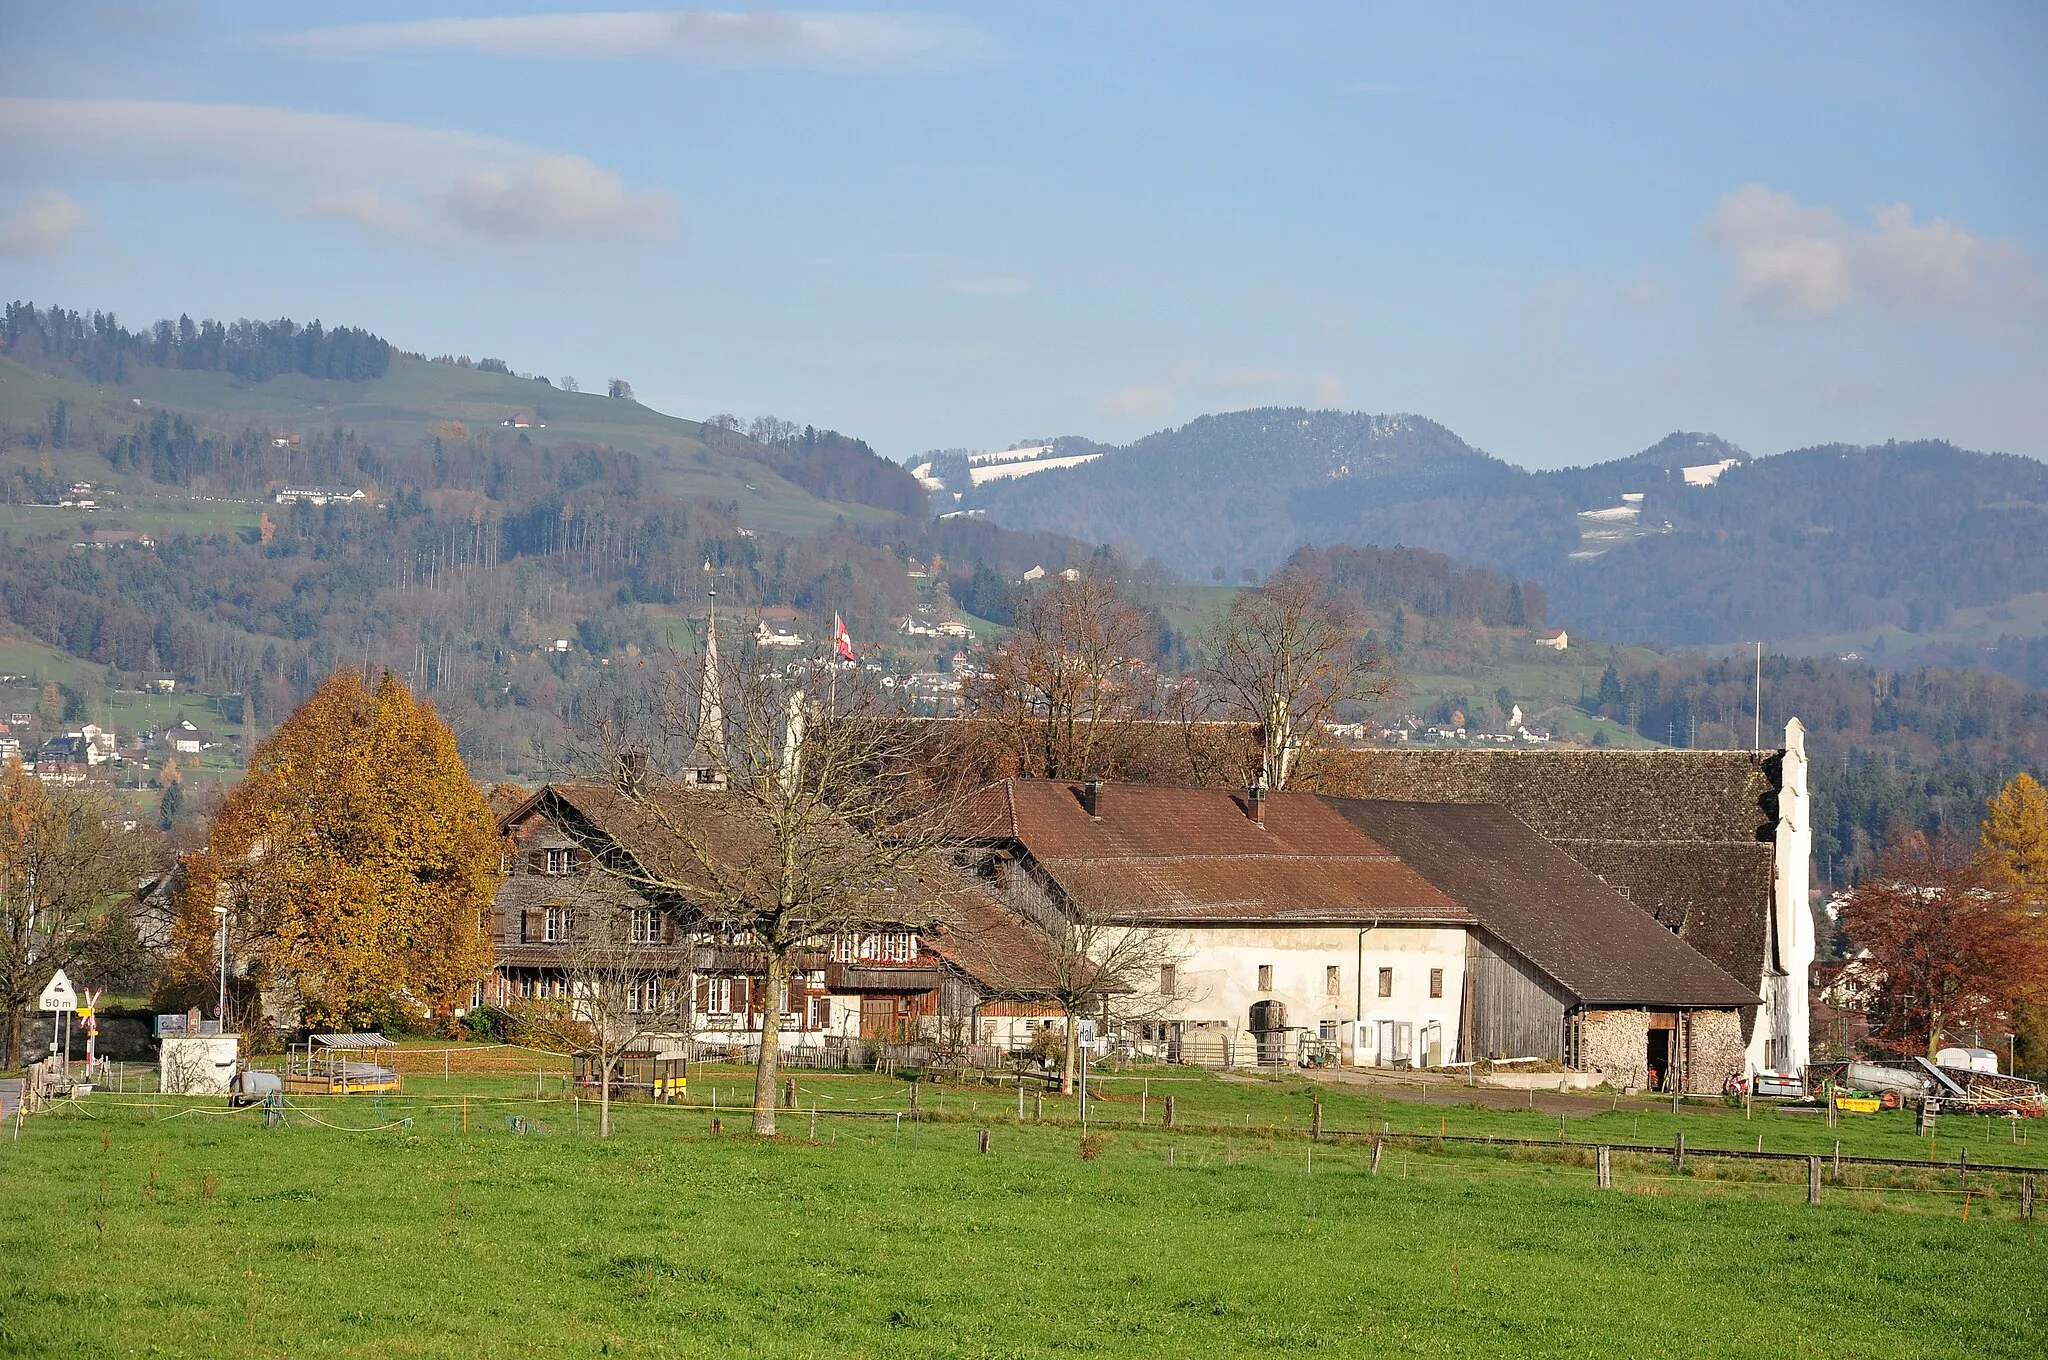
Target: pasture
469 1218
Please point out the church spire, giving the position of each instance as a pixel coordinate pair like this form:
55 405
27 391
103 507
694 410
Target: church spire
708 760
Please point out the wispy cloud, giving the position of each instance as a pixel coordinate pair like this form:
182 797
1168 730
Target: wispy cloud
756 37
423 184
1136 403
1797 260
41 225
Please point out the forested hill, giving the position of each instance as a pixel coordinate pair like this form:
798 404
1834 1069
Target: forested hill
1813 543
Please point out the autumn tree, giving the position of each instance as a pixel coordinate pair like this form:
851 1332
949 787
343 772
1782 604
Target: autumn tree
65 866
2015 837
791 812
1063 686
622 986
1288 658
357 861
1940 945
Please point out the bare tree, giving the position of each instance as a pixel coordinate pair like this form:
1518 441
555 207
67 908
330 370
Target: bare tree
626 983
1083 962
785 808
1288 657
65 862
1067 680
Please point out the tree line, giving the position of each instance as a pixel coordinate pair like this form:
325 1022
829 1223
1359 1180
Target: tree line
106 351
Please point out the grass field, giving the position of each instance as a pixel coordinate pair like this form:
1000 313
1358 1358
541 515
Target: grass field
174 1228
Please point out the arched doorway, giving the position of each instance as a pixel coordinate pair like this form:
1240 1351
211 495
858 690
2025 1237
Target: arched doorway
1269 1028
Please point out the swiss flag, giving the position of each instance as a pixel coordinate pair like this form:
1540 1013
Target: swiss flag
842 642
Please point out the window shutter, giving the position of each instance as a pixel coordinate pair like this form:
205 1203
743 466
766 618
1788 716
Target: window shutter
536 861
533 925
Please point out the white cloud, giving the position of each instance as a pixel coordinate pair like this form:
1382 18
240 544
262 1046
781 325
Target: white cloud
1790 258
993 286
41 225
1136 403
550 196
758 37
425 184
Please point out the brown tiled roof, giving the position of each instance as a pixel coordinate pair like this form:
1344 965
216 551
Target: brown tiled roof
1194 855
1545 906
998 952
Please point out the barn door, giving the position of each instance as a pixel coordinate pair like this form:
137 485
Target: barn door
878 1017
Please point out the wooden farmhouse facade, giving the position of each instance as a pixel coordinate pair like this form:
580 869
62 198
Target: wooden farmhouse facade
884 985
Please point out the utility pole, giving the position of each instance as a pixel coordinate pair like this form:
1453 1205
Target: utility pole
1756 739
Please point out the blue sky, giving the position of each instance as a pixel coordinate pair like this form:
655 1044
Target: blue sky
1561 231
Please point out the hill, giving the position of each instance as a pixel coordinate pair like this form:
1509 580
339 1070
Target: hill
1689 541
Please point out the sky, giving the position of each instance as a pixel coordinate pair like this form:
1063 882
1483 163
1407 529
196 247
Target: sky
1563 231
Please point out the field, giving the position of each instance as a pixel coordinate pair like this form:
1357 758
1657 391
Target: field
174 1228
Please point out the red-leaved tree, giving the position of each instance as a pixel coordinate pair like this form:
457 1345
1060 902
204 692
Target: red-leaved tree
1942 949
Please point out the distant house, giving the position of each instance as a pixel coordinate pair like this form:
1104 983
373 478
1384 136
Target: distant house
1035 574
160 684
954 628
121 538
186 739
1556 639
768 635
321 495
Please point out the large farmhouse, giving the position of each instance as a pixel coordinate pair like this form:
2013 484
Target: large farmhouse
1369 932
887 985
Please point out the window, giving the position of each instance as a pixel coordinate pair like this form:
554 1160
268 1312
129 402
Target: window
1265 977
1386 982
1326 1030
1436 982
1333 982
1167 979
646 925
718 996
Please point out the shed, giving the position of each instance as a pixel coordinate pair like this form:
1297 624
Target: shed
341 1064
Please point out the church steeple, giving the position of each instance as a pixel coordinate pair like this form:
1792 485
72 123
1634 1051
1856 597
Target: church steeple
707 761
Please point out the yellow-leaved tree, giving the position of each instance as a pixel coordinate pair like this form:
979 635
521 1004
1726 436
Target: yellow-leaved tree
357 863
2015 837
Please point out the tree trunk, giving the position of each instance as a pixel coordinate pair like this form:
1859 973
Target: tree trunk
1073 1054
604 1100
17 1020
771 1035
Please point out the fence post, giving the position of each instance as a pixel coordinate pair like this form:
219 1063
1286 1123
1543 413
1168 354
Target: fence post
814 1121
1376 1146
1838 1161
1604 1167
1678 1152
1813 1180
789 1093
1037 1108
717 1126
2027 1198
1963 1169
1020 1097
984 1142
1169 1112
1315 1131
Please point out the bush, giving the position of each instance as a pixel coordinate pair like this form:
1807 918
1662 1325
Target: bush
488 1025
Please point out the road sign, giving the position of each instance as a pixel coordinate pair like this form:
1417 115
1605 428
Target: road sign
59 995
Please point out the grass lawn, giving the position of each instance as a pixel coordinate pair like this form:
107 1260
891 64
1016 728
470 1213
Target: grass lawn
139 1228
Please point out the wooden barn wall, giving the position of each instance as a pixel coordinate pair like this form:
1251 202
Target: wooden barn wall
1514 1012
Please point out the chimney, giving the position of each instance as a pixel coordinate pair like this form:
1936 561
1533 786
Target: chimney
1091 798
1255 803
632 771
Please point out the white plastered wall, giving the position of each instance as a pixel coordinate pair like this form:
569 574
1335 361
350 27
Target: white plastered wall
1780 1039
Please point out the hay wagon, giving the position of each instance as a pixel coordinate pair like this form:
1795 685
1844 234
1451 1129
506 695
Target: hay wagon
340 1065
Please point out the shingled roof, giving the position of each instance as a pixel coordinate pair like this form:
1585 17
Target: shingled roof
1543 904
1189 856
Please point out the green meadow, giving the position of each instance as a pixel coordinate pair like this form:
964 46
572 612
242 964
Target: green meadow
469 1218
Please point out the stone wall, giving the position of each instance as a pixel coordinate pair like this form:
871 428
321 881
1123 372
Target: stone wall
1714 1052
1615 1045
